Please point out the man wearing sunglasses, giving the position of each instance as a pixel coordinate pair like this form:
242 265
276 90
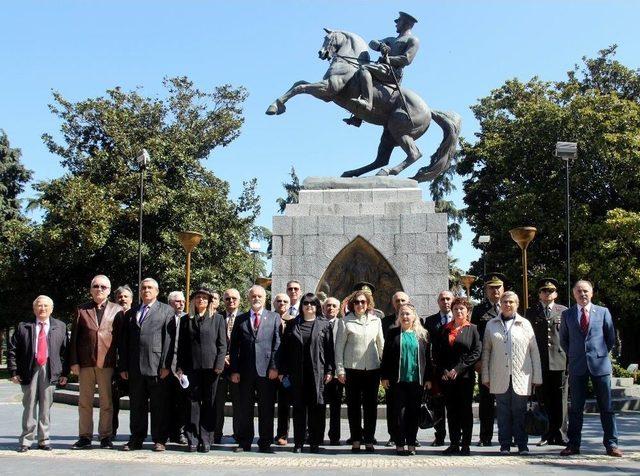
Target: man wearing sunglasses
294 291
92 356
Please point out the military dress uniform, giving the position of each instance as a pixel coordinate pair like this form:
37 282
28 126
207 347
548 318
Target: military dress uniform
553 393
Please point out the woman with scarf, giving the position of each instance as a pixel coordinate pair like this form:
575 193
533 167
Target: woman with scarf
406 369
455 351
202 346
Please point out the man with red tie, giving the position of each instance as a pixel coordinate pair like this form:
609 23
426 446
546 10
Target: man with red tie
587 336
254 343
36 360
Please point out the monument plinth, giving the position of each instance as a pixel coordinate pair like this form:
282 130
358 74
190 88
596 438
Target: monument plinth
375 229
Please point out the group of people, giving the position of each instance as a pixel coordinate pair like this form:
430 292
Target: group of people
181 367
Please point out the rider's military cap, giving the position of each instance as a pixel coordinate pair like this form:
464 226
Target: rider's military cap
406 16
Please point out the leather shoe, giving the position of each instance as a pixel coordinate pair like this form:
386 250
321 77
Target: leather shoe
44 447
614 451
569 451
132 446
297 449
192 449
369 448
204 448
217 440
315 449
105 443
465 451
159 447
82 444
390 443
23 449
265 449
542 442
437 443
334 442
451 450
484 443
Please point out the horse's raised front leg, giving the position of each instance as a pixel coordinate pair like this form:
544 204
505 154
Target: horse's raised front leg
319 90
387 143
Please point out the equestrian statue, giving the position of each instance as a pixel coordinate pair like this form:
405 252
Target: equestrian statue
372 92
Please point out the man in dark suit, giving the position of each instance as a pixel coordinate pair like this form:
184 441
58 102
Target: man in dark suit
390 322
145 358
120 388
433 324
226 388
483 313
92 357
587 336
36 360
545 319
255 340
177 396
334 389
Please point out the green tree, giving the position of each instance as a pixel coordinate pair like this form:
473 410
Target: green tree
90 222
440 188
513 178
292 189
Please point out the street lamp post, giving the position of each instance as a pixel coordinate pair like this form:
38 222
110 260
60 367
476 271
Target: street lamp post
143 161
523 236
254 247
567 151
189 240
484 240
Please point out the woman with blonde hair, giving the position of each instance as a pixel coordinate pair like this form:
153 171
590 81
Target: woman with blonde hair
359 344
406 368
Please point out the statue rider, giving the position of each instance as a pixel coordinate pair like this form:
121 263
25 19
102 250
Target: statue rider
396 53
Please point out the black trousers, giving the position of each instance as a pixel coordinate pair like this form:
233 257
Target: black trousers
201 412
362 401
307 415
148 395
407 397
458 397
486 412
177 407
550 395
251 388
392 417
226 390
284 411
119 389
333 396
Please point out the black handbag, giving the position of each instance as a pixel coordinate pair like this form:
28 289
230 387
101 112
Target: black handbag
536 420
427 418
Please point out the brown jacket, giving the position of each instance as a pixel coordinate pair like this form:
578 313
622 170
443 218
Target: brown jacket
93 346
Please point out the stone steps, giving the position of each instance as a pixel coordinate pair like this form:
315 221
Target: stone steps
625 398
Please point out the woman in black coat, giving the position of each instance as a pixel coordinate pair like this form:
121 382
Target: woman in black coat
406 368
455 351
306 364
202 346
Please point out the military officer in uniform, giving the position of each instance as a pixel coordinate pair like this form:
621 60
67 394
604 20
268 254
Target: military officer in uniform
545 317
483 313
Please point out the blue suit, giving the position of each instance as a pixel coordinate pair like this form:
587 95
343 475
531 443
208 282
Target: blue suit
588 357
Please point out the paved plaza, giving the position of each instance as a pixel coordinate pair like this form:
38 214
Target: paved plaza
63 460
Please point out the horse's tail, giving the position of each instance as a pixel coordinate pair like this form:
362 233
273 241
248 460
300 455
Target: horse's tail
450 123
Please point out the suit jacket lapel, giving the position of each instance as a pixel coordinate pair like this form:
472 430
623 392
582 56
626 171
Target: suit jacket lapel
94 316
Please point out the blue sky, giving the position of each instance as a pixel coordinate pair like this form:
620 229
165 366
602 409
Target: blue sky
82 48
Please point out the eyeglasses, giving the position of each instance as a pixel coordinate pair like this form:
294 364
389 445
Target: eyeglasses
100 286
308 303
282 301
331 305
359 301
229 298
293 289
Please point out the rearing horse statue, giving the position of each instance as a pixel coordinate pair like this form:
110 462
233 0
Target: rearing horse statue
403 114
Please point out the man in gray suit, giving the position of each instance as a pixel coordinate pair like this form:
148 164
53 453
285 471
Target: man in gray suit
146 354
254 344
545 319
36 360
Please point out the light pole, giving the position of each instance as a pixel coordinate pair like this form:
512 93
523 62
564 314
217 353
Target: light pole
254 247
523 236
189 240
567 151
484 240
143 161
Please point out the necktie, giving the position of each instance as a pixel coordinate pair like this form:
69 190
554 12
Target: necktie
256 322
547 312
230 319
292 310
41 356
584 321
497 307
143 314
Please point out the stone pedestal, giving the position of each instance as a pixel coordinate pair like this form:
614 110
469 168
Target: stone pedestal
374 229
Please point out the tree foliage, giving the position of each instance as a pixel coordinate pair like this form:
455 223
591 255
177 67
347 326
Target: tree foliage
292 190
513 178
90 222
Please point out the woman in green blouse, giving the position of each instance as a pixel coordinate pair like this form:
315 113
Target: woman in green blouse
406 367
